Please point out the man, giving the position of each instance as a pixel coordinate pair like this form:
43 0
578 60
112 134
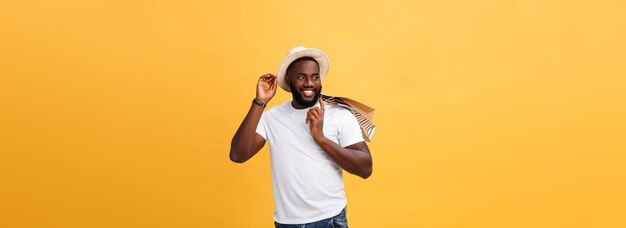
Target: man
309 143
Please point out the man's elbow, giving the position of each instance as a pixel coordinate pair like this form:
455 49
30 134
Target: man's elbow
237 157
367 173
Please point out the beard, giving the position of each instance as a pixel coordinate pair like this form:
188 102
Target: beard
298 97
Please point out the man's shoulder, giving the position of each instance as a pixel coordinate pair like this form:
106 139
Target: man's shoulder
337 110
276 109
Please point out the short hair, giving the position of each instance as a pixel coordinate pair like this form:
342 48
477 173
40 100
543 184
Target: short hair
300 59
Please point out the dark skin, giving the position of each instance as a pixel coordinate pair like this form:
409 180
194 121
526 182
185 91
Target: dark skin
355 159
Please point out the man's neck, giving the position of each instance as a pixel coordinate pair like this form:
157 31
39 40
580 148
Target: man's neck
297 105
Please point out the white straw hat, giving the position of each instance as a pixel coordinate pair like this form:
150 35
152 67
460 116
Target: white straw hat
299 52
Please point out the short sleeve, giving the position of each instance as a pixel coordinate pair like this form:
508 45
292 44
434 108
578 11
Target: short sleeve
349 130
261 127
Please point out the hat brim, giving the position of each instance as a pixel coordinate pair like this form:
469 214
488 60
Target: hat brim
318 55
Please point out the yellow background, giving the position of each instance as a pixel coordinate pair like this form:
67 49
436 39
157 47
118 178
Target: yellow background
490 113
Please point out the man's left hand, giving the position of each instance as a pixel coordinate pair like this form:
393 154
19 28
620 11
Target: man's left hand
315 119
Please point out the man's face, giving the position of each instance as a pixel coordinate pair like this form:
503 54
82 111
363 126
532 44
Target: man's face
305 83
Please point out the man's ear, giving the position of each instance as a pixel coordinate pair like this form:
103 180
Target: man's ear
287 79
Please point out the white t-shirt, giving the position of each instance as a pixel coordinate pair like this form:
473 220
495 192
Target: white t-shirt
307 184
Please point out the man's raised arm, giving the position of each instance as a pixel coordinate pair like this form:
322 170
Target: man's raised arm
246 142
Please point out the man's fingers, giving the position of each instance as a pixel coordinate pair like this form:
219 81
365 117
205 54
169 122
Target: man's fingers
321 108
270 79
274 82
315 113
309 116
267 76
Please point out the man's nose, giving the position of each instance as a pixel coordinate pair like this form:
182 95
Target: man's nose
308 82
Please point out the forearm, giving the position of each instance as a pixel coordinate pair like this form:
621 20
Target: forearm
242 144
354 161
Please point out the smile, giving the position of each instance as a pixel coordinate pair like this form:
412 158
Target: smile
308 93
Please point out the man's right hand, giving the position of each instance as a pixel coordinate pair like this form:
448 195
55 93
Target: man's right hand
266 88
246 142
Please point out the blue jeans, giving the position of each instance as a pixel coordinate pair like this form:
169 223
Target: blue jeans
337 221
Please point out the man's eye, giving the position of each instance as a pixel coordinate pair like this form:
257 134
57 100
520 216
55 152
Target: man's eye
301 77
315 77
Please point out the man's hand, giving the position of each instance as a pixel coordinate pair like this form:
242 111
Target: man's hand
355 158
266 88
315 119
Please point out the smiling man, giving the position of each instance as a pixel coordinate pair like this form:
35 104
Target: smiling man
310 143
